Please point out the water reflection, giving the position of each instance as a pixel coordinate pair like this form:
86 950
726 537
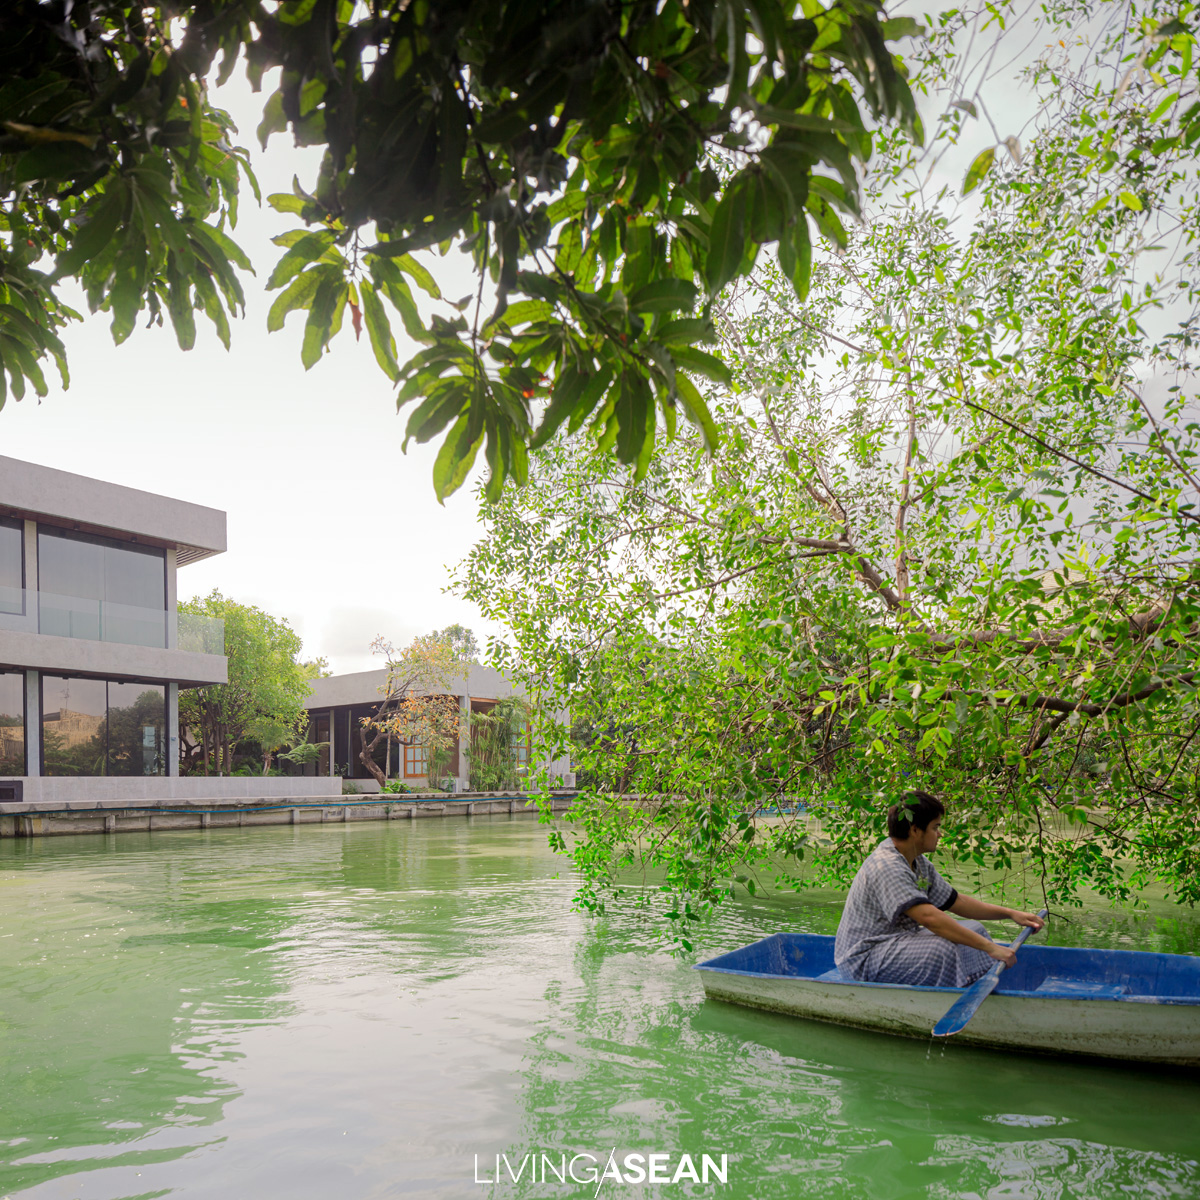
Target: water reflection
358 1011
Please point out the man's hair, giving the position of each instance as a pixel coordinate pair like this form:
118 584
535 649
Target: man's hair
915 810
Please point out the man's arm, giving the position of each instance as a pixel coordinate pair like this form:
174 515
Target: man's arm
978 910
946 926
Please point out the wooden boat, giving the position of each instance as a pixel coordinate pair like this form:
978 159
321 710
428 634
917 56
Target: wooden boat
1121 1004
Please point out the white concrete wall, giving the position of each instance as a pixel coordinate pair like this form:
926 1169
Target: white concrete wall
65 656
32 489
107 789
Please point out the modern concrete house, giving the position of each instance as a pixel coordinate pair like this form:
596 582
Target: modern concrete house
338 704
92 649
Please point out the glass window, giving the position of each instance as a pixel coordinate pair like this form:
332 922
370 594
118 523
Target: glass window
414 762
73 725
137 729
319 733
520 746
12 565
12 724
98 588
95 727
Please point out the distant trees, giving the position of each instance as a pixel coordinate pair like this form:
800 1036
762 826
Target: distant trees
267 687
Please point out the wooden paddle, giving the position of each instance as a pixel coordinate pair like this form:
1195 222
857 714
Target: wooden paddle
967 1005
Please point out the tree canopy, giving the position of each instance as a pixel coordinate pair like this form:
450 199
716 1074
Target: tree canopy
264 697
948 537
609 166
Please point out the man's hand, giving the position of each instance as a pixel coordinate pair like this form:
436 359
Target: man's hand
1026 918
1005 954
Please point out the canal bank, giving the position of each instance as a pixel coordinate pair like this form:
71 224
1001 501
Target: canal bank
48 819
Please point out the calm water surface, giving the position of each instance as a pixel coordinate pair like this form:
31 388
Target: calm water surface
350 1012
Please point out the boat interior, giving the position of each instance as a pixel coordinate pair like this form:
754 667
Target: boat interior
1047 972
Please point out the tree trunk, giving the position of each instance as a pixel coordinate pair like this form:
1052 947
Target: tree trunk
205 734
364 755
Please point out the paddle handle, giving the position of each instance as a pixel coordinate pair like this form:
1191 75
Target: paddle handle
1025 932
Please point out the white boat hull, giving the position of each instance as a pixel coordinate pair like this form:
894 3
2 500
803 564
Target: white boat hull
1141 1031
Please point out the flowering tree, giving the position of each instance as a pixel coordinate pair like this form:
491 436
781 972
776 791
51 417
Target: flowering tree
416 709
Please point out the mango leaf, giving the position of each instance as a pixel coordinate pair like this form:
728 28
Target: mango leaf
727 237
328 301
94 236
809 122
286 202
567 390
299 294
663 295
455 458
702 363
379 330
308 249
433 414
697 410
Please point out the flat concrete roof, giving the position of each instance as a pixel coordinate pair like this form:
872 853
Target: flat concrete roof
30 490
363 687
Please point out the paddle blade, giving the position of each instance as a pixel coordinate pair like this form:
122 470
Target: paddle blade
964 1008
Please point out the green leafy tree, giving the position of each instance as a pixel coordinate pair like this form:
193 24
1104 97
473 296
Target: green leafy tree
496 736
265 695
115 171
124 731
949 536
609 166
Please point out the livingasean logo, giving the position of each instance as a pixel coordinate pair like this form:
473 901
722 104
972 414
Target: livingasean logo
658 1167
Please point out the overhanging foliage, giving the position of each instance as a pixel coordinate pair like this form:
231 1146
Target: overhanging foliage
949 538
567 145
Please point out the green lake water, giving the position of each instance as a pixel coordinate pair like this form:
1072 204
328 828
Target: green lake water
346 1012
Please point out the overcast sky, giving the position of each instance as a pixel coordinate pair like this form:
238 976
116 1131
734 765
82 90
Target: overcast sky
330 526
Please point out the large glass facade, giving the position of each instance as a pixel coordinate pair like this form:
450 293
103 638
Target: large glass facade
12 565
12 723
98 588
102 727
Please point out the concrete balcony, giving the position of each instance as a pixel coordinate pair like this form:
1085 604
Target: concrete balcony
72 634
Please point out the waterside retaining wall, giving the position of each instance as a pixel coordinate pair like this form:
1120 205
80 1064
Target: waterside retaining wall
144 816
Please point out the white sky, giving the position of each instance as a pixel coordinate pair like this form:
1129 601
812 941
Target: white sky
330 526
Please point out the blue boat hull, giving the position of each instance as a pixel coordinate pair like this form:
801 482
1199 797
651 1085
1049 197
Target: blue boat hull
1118 1004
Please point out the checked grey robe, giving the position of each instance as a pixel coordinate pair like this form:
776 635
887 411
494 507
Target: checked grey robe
878 943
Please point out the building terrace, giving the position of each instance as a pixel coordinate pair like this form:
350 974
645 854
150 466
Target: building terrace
93 650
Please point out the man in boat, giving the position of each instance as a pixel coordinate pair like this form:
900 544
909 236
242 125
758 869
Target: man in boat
896 926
